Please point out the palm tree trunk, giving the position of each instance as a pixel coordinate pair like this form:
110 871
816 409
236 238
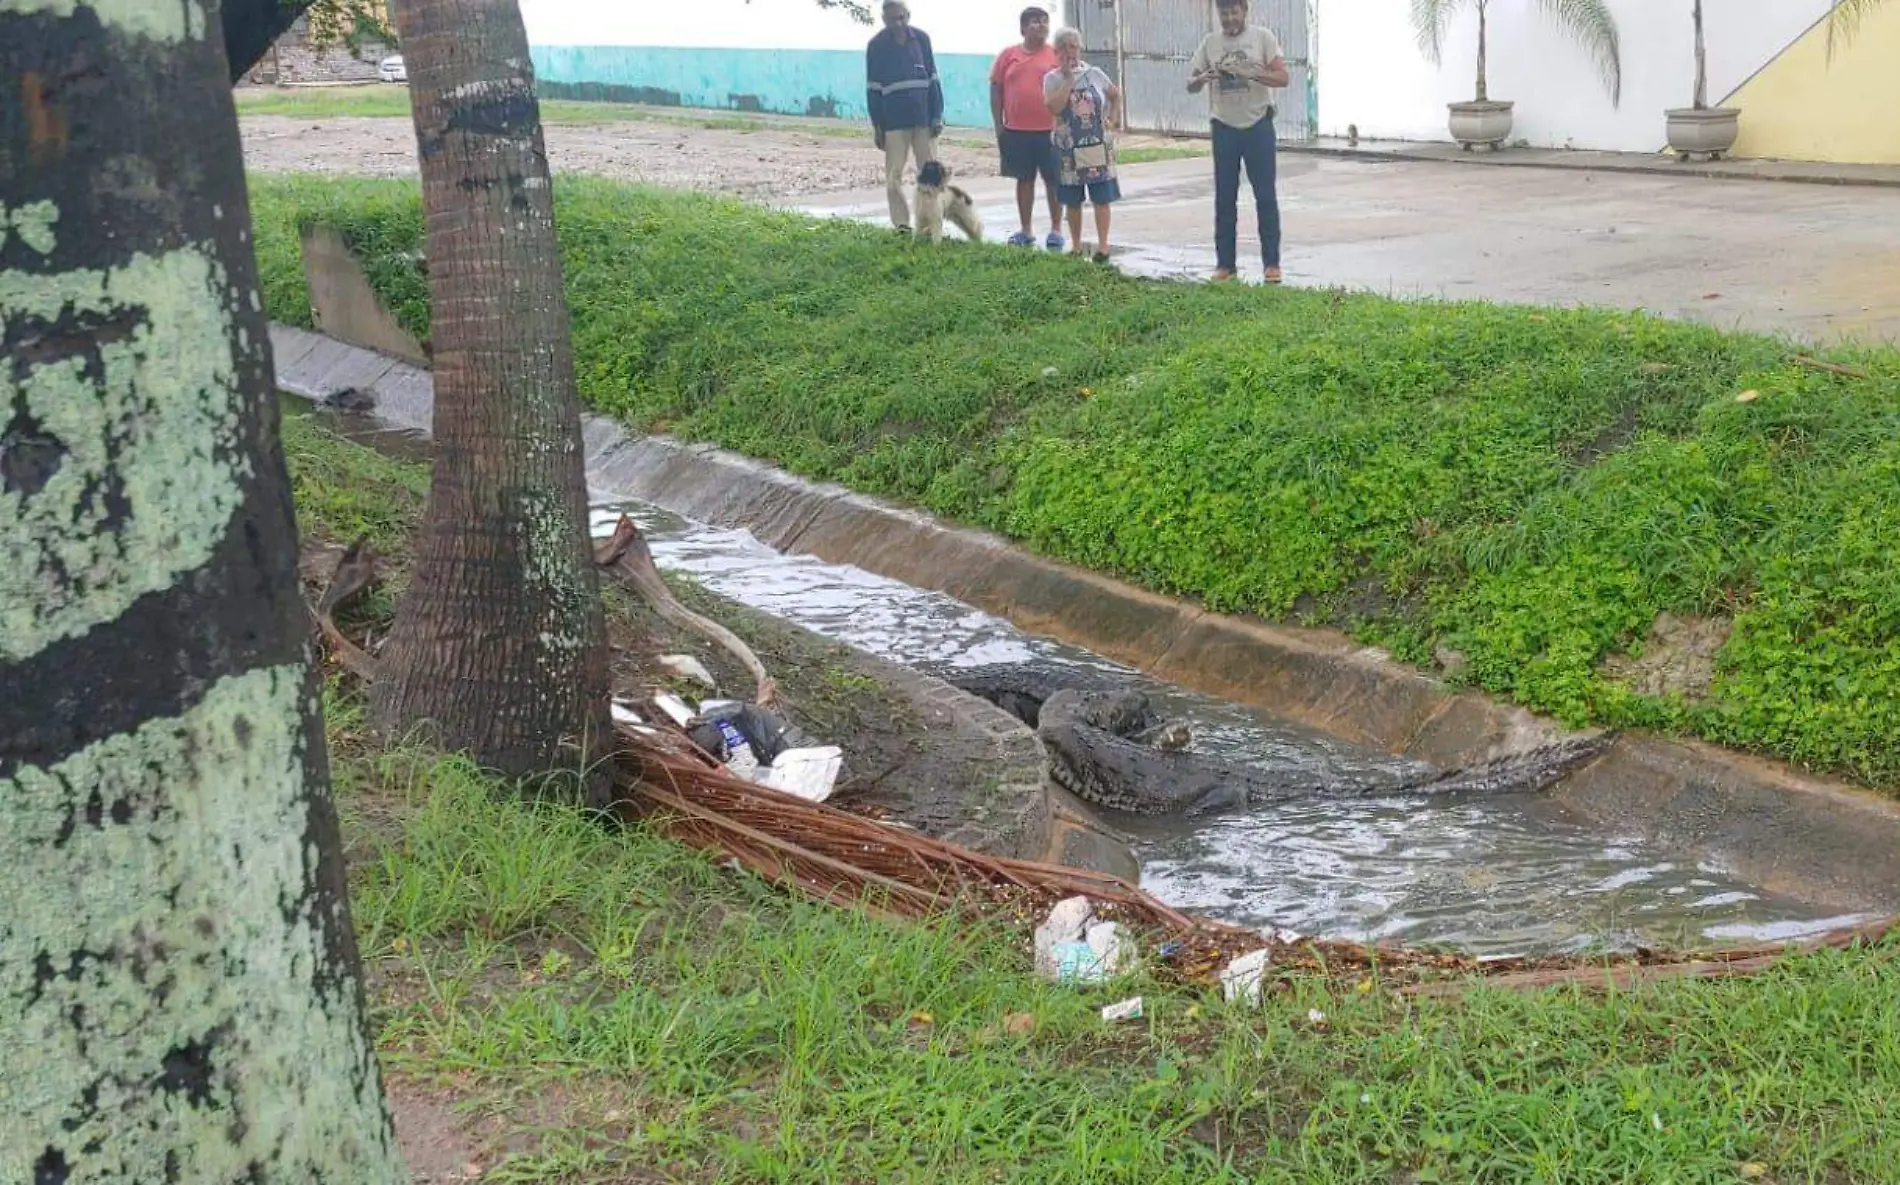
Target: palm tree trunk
252 27
180 997
1483 92
500 643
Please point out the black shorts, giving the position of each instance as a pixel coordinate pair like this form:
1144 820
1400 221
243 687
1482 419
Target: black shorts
1028 155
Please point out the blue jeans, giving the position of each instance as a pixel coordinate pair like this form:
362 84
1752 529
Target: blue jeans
1255 147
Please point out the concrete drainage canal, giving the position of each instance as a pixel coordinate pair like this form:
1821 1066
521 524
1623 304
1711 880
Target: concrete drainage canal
1601 863
1490 874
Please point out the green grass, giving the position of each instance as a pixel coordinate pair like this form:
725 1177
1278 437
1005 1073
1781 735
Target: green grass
1527 487
392 102
698 1022
351 491
631 1006
1144 156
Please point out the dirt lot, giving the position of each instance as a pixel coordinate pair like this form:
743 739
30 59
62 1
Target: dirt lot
769 161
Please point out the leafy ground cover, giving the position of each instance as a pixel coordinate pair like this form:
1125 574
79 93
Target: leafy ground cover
1512 494
557 1002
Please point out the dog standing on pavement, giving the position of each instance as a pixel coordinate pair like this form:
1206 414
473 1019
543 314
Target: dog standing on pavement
939 201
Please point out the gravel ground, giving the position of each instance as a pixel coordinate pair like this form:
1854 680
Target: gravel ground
762 164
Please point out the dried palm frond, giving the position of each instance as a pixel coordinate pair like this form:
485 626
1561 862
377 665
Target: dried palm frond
836 857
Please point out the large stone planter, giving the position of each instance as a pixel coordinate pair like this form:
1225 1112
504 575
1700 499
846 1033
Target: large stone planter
1485 123
1706 131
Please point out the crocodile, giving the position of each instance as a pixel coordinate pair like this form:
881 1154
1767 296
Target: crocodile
1104 743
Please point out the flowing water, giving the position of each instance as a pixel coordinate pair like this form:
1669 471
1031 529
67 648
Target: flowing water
1491 875
1494 876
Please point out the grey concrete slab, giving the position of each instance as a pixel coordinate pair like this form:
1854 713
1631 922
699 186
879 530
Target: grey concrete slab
1816 262
1661 163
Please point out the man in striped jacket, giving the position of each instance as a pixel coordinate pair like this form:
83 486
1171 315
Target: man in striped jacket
905 99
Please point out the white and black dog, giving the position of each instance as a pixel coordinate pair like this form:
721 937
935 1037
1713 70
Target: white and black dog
938 200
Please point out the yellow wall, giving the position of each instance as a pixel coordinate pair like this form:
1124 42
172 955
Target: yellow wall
1801 106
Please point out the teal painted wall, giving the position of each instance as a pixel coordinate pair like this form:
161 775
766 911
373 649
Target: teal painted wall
827 82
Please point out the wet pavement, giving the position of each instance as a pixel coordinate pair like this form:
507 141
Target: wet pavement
1820 262
1817 262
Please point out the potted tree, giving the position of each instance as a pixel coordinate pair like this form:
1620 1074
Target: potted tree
1487 121
1700 128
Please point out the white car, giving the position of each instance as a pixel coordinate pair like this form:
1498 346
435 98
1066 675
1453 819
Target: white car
391 69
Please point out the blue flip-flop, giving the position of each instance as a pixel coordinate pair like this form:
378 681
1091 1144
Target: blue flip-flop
1019 239
1055 242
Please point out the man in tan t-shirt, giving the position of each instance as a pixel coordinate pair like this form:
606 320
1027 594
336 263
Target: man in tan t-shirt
1239 65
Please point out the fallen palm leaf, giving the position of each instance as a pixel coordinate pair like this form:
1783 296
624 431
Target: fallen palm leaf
626 556
842 858
356 571
1852 372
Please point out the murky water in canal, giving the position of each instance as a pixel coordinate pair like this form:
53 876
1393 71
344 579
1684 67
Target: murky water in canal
1495 875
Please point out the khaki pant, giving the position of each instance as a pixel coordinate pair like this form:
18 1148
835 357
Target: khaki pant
900 145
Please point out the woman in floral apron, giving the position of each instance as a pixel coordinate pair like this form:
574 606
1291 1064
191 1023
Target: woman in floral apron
1087 107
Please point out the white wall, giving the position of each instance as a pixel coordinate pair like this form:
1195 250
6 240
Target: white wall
955 26
1372 73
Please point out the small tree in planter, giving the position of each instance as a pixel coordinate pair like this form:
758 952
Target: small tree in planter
1700 128
1485 120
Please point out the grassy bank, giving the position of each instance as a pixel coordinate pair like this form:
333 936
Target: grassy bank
1514 492
559 1004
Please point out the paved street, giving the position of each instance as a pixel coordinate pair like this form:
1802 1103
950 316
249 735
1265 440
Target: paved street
1816 261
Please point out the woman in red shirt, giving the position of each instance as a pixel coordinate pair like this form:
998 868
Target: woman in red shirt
1023 125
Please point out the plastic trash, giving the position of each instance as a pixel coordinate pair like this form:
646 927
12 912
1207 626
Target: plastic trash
740 758
688 667
810 774
1130 1009
1242 978
1114 949
1066 926
1077 962
676 709
765 733
1072 946
756 744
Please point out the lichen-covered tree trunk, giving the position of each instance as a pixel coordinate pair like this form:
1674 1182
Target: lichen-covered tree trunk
499 644
179 990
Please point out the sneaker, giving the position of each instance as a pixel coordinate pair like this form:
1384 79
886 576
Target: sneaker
1055 242
1223 275
1019 239
1273 275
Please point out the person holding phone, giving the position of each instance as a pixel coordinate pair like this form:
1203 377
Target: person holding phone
1239 65
1087 109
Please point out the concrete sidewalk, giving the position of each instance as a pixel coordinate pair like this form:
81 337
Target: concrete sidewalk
1817 262
1662 164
